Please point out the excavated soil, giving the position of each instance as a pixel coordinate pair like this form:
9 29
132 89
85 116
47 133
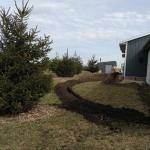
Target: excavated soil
95 112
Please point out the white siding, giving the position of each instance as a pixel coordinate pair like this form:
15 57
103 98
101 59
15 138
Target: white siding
148 69
108 69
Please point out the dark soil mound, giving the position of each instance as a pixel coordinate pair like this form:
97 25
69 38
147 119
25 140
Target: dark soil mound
95 112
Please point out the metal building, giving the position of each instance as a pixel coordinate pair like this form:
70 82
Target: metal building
136 52
106 67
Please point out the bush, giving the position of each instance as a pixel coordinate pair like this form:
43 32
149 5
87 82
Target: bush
112 78
23 59
53 64
92 65
78 64
67 66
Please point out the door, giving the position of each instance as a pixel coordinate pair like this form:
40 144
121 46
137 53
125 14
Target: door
108 69
148 69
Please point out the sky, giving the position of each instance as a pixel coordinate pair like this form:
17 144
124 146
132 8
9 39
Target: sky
89 27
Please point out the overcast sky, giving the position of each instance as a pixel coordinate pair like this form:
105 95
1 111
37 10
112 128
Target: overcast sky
89 26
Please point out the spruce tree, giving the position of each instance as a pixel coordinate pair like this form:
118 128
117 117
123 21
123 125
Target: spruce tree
92 65
23 59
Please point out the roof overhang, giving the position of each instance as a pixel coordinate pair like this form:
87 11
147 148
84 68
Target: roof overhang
123 44
135 37
122 47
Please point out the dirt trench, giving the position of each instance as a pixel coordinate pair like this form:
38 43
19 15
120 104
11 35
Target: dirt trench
95 112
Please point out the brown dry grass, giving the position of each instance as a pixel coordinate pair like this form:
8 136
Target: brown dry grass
66 130
52 128
40 111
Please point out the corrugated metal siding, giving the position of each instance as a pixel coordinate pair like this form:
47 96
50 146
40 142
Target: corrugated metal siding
102 65
136 63
148 69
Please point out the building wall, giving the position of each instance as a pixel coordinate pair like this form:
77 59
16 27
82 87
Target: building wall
102 65
148 69
136 61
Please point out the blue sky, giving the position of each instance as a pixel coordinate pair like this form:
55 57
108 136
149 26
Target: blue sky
89 27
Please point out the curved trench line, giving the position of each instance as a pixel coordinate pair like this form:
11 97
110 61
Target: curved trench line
95 112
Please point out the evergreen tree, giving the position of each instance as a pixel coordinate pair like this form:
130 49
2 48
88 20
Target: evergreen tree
53 64
78 63
66 67
92 65
23 58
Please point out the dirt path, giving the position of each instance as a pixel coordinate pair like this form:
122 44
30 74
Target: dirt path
95 112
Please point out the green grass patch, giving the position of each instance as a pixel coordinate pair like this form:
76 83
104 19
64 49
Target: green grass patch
50 98
116 95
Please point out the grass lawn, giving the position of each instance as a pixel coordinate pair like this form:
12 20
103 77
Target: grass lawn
58 129
120 95
66 130
50 98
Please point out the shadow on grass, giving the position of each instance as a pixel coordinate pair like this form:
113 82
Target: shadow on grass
144 92
95 112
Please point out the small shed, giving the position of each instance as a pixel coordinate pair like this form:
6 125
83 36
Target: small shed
107 67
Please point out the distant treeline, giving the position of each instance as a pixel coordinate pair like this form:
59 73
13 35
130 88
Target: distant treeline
69 66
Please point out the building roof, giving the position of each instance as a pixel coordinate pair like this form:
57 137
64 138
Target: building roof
134 38
122 44
114 63
122 47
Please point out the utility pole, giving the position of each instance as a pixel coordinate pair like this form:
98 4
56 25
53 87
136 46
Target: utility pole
57 56
75 54
100 59
67 53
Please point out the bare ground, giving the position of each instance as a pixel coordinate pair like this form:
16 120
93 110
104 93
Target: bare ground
95 112
38 112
